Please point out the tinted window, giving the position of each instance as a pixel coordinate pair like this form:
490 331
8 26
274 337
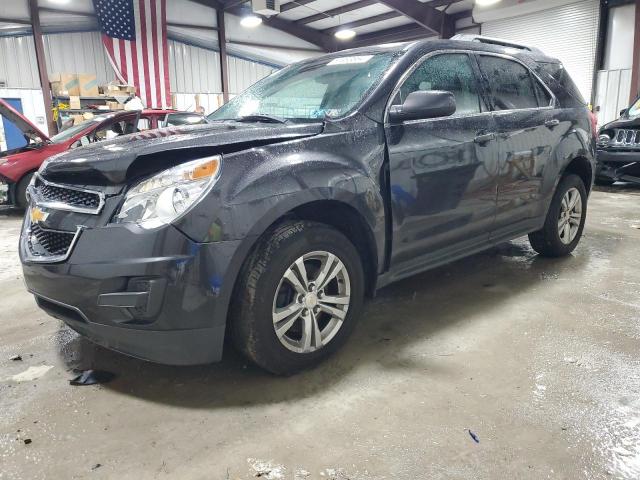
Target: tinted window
557 78
511 84
311 90
544 99
452 73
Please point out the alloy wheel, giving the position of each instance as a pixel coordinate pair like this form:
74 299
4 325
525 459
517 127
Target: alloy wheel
311 302
570 216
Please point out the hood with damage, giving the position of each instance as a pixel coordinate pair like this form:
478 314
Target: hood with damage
111 162
21 122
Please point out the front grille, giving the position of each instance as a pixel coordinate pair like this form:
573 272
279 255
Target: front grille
626 137
69 196
49 243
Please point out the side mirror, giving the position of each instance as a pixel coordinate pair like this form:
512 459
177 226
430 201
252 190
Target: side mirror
424 104
623 112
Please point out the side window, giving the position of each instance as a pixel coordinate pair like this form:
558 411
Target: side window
511 84
450 72
544 99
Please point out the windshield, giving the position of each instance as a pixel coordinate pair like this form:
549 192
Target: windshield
310 91
65 135
634 110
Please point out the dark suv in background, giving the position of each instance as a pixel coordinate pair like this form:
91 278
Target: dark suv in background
619 148
318 185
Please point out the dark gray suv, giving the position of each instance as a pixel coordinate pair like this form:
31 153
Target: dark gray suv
318 185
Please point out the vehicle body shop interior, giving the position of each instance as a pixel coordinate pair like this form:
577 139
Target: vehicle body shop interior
320 239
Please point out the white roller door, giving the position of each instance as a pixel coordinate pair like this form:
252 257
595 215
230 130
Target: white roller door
569 33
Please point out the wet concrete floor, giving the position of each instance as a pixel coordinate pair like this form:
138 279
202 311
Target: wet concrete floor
539 358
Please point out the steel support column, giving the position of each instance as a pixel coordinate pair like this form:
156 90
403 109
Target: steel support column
42 64
222 43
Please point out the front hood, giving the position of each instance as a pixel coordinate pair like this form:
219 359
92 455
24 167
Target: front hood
623 122
109 162
21 122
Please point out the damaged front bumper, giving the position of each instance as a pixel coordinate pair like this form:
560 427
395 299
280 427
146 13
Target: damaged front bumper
618 165
151 294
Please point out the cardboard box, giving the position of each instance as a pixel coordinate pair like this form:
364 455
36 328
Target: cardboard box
88 85
64 84
115 89
115 105
74 102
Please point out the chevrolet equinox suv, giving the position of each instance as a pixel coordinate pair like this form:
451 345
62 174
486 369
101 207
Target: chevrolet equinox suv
320 184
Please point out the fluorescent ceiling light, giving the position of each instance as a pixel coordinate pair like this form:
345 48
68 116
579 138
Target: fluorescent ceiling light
251 21
485 3
345 34
61 2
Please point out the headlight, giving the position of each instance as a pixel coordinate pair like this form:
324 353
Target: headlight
161 199
604 139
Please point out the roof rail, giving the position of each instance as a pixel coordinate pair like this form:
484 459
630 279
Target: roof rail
494 41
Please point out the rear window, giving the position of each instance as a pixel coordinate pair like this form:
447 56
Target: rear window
559 81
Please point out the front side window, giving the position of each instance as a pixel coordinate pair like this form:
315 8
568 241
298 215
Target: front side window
324 88
510 82
449 72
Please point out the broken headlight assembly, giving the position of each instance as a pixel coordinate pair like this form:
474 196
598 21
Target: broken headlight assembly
162 198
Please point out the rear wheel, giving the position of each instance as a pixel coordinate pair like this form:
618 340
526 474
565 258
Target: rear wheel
565 219
298 298
21 191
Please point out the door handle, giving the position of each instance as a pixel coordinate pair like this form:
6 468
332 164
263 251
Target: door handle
552 123
483 138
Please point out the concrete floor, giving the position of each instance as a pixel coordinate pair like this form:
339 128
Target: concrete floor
539 358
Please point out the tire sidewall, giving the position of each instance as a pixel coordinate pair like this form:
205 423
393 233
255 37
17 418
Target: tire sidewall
21 190
281 253
568 182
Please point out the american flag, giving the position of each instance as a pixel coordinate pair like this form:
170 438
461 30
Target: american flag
134 33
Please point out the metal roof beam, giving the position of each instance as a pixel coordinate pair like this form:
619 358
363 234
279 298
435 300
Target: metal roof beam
423 14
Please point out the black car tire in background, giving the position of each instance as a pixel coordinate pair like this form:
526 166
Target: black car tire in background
547 241
252 324
21 191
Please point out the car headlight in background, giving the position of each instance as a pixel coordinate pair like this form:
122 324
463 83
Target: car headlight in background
604 139
162 198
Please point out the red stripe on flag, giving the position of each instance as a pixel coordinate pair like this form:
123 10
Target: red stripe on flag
123 60
165 53
142 35
134 61
157 102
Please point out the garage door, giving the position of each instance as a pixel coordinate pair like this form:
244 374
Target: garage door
569 33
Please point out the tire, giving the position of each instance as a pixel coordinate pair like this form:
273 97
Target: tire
21 191
263 295
548 241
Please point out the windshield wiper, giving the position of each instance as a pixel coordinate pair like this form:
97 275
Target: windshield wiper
259 117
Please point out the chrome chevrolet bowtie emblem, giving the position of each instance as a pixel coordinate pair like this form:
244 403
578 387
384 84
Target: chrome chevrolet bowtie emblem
37 215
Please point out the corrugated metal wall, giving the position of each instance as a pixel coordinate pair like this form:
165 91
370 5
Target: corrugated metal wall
18 66
77 52
192 69
568 33
243 74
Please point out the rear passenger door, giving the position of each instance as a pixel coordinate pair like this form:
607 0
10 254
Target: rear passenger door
442 170
524 116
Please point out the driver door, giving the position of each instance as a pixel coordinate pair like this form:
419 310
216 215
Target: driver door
442 170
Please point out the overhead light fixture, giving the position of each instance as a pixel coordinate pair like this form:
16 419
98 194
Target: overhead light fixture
486 3
345 34
251 21
60 2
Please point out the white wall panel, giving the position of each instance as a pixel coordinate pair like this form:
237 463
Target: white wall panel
612 93
79 52
568 32
18 66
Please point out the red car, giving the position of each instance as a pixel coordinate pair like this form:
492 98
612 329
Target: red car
17 166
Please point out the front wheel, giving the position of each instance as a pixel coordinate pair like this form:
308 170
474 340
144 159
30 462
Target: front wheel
565 219
298 297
